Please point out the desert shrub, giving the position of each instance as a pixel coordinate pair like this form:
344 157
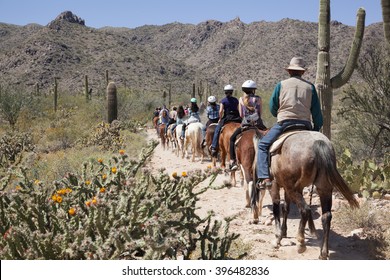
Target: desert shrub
12 146
12 101
110 210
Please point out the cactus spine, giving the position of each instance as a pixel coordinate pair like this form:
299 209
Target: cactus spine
386 18
324 83
112 103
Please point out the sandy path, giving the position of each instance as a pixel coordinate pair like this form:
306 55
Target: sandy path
227 202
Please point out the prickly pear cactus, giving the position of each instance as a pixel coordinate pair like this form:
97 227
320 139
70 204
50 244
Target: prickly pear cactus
324 83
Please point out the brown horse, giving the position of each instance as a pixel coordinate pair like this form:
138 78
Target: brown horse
224 146
161 133
306 158
209 139
155 124
246 159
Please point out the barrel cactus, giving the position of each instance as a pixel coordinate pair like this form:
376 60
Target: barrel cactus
324 83
112 103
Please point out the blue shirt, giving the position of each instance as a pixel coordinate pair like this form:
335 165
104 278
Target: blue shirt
212 112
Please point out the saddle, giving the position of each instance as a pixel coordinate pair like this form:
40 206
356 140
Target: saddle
287 132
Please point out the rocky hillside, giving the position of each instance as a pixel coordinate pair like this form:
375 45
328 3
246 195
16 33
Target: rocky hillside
153 57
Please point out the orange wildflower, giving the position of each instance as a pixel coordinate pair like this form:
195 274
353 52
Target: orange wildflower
72 211
122 152
113 170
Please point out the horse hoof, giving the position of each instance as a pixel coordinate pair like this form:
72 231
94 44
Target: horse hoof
247 206
255 221
301 248
275 244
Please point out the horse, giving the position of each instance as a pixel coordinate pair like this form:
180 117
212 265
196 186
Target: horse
161 133
155 124
193 137
246 160
305 158
224 146
179 142
209 139
171 135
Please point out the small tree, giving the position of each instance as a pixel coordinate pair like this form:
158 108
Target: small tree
12 101
366 105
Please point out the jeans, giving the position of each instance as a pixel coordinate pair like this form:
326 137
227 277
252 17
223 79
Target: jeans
217 131
265 143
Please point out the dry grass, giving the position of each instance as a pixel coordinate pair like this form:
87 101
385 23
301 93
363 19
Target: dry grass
372 218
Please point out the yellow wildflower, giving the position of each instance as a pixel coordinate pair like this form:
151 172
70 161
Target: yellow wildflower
104 176
37 182
94 201
113 170
54 197
209 166
174 174
88 182
88 203
102 190
18 188
122 152
184 174
100 160
72 211
59 199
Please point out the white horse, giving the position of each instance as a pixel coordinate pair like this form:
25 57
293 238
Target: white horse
179 142
193 138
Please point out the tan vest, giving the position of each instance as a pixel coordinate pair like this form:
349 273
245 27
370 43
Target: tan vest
295 100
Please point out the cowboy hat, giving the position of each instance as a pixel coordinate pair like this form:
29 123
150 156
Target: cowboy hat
296 63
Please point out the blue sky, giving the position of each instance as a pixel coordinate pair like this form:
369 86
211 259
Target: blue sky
134 13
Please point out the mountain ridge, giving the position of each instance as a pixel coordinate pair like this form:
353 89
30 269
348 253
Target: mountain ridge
176 55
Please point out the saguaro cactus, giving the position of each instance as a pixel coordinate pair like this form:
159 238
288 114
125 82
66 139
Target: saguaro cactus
386 18
324 83
112 103
55 93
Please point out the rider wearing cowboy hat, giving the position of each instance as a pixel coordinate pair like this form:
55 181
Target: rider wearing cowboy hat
294 101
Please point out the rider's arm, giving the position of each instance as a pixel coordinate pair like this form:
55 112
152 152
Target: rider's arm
316 110
240 104
221 111
274 101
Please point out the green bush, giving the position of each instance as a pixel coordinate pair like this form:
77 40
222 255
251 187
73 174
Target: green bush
367 177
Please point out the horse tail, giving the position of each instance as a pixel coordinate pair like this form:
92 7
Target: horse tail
255 193
325 161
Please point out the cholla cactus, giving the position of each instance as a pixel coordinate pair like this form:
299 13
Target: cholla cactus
111 210
324 83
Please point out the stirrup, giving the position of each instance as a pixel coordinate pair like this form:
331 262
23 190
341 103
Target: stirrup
262 184
233 166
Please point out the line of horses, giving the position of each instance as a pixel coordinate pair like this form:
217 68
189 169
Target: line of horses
305 158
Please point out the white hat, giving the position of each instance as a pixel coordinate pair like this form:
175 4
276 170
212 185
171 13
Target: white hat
228 88
296 63
211 99
249 84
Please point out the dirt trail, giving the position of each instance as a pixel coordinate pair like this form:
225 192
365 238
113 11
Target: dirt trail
228 202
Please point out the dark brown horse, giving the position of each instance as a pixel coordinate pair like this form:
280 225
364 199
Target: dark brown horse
246 159
306 158
209 139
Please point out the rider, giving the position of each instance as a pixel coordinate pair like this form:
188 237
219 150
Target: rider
250 111
180 116
294 101
228 112
194 116
212 113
